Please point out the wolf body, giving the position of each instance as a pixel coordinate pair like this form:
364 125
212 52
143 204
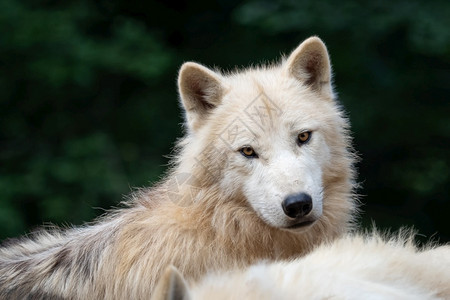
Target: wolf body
265 171
353 267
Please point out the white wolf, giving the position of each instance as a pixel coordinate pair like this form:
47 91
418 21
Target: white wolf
354 267
265 171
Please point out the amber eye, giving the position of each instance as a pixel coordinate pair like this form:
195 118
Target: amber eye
304 137
248 152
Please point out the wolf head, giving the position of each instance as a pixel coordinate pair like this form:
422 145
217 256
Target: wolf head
272 135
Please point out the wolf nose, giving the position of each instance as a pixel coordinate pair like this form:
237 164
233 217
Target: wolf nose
297 206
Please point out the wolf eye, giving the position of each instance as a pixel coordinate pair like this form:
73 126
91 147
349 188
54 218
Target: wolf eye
304 137
248 152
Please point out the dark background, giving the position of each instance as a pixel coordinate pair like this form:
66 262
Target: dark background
88 99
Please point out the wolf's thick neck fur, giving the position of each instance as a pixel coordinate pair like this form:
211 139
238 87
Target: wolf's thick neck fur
196 227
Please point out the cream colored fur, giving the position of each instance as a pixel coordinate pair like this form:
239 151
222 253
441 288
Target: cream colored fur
216 209
355 267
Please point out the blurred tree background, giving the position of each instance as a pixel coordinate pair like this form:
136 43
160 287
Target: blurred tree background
88 99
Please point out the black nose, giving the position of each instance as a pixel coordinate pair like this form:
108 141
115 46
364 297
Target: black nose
297 206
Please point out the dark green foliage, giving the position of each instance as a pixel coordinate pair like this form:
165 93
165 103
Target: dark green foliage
88 101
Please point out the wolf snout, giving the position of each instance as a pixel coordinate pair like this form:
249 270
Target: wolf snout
297 205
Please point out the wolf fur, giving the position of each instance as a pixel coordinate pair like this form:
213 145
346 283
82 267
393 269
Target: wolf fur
217 208
354 267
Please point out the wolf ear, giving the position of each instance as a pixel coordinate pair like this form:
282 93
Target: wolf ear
310 64
200 91
171 286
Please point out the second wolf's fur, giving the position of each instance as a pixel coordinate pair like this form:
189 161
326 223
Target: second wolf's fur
255 139
367 266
